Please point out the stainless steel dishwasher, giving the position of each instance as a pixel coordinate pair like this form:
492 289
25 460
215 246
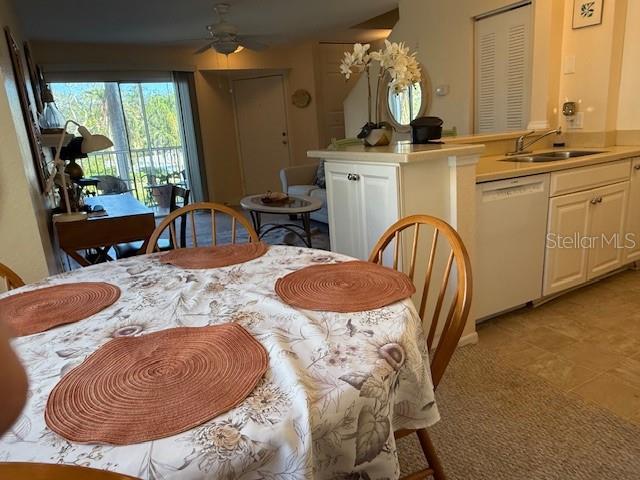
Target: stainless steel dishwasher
510 243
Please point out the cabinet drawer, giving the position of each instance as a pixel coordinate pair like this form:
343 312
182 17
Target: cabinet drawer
584 178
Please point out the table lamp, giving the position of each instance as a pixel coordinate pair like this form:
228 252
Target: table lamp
90 143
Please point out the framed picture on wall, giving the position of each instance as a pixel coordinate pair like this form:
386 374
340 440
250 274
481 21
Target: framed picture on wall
587 13
28 112
35 75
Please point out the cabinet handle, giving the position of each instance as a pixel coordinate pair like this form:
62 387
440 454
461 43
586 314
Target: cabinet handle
356 177
594 201
636 167
599 199
349 176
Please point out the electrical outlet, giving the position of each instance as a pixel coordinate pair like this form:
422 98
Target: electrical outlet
575 121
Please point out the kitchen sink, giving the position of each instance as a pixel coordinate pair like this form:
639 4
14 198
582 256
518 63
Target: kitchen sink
550 156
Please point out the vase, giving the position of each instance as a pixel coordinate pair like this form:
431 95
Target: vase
378 137
74 170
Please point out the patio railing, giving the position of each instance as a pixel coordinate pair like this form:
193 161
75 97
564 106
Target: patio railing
140 169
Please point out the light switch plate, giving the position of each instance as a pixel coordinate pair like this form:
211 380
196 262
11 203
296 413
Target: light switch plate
569 64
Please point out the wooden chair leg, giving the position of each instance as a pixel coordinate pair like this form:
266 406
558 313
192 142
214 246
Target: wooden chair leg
430 452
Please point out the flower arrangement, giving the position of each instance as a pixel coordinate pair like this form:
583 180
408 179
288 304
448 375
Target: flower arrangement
395 61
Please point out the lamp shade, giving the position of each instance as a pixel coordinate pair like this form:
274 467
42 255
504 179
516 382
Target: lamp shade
93 143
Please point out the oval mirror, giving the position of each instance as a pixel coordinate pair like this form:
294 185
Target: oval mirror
407 105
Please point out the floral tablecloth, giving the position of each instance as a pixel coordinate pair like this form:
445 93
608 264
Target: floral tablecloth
337 386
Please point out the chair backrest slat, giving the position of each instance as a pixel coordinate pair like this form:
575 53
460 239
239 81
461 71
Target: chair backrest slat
414 251
193 228
396 250
445 335
172 230
233 230
214 235
427 279
190 210
440 301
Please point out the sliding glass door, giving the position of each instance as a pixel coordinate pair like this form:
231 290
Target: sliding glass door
143 120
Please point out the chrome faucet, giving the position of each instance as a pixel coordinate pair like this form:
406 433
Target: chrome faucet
520 145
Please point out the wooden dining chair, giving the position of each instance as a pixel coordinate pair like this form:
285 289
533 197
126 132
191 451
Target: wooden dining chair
214 210
50 471
11 278
447 324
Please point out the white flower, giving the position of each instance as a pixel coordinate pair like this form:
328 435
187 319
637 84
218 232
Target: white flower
357 60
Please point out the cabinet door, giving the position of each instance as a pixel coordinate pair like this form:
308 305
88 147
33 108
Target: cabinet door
632 237
378 203
565 260
608 216
343 210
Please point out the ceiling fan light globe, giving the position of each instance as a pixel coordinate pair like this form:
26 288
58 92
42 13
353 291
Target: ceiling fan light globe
226 47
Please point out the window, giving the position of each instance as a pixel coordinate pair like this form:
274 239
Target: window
143 121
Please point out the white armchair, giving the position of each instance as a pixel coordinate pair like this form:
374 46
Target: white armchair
300 180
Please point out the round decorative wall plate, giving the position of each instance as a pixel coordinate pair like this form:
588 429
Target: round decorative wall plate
301 98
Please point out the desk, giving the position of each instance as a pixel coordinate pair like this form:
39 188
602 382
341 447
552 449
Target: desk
127 220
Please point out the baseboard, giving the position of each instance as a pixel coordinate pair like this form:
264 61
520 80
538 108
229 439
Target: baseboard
469 339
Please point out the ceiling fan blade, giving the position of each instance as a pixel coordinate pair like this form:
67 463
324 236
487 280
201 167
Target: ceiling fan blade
251 43
204 48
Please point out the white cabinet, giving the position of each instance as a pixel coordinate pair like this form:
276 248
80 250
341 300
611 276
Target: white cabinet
363 202
583 237
632 237
608 217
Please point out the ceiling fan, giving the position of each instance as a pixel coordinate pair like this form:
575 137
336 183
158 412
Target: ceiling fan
224 35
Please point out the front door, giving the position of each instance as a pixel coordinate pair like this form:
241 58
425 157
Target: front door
262 131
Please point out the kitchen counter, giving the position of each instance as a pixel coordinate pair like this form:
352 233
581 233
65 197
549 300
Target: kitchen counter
396 153
492 168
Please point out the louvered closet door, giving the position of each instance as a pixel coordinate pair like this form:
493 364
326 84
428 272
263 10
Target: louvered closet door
503 71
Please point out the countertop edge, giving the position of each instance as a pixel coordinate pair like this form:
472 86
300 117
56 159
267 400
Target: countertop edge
549 167
378 154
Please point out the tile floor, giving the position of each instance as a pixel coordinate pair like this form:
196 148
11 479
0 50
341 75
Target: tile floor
586 342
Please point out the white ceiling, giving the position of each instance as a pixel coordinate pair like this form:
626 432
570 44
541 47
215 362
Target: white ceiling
184 21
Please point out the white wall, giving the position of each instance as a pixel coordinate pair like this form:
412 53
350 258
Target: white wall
25 245
629 101
442 33
598 55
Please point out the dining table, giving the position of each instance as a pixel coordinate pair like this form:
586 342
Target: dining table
336 387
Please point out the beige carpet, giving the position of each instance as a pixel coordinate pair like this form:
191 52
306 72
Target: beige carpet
499 422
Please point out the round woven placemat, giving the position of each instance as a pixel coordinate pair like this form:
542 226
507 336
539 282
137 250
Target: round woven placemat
136 389
214 257
344 287
39 310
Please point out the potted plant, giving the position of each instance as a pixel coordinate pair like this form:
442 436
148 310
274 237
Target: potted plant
394 61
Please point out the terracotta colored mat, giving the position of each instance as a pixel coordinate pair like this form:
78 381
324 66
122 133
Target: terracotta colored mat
214 257
344 287
42 309
136 389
